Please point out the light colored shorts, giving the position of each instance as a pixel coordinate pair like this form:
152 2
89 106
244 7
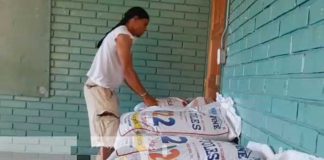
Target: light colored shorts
103 111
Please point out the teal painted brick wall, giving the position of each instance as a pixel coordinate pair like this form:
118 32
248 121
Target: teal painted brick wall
170 59
274 71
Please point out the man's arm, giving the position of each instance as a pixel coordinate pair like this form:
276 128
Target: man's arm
124 44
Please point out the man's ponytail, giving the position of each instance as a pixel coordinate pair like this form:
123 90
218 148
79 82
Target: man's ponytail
131 13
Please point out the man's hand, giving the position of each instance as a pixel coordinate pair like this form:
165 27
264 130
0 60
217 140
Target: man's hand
149 100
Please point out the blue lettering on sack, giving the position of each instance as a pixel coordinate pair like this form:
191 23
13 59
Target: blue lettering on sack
217 122
211 149
194 118
243 152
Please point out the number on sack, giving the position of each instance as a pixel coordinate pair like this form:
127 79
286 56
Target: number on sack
157 120
166 139
174 153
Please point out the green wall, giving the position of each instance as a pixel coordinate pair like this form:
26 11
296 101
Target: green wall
170 60
274 71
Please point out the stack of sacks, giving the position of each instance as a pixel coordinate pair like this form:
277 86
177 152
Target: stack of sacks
177 129
140 147
216 120
180 129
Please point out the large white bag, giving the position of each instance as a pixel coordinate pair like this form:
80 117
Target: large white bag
181 148
217 121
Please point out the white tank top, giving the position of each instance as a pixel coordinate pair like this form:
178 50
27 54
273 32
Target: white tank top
106 70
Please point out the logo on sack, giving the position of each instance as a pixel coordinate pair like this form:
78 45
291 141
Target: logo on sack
213 111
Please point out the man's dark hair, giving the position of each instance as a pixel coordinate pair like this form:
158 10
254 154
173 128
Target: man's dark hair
131 13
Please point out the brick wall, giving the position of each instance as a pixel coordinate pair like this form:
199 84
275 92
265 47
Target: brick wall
274 71
170 59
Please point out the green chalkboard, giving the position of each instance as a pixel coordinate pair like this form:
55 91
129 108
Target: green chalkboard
24 47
